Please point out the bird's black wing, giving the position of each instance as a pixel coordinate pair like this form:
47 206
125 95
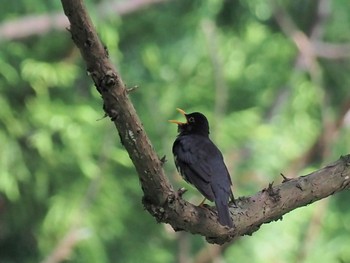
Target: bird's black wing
201 163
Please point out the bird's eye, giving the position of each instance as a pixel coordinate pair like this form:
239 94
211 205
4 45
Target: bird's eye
191 119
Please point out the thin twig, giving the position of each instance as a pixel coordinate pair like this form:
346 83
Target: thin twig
220 86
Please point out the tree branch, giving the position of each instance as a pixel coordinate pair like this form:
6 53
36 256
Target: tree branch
160 199
311 47
31 25
116 103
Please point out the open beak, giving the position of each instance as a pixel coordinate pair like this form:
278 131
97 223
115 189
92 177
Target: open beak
179 122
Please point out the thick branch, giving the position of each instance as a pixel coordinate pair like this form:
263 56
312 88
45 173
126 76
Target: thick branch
116 103
273 202
160 199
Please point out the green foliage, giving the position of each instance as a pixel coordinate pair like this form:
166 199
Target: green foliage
65 179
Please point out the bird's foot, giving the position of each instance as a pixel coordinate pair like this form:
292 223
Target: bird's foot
202 203
233 202
181 191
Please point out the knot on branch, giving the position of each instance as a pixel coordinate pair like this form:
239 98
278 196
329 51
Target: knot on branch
155 210
160 212
113 114
274 193
346 159
109 80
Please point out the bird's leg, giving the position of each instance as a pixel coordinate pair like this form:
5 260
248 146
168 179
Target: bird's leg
202 203
181 191
233 201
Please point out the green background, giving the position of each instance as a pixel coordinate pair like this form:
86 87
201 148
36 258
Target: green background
68 189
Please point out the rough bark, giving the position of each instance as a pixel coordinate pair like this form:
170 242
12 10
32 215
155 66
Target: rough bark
160 199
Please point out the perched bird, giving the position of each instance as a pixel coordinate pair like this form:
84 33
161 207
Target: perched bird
201 163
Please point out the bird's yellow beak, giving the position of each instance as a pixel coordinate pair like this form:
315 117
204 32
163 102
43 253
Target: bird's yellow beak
179 122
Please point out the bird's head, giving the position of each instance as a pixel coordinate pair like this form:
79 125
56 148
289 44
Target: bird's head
196 123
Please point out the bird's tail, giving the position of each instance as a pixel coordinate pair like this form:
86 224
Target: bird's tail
223 212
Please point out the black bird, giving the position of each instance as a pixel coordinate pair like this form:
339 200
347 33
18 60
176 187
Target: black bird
201 163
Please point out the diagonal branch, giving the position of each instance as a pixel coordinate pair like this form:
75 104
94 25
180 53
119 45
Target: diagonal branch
160 199
116 102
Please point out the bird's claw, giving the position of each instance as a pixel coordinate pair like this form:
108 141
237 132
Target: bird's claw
181 191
